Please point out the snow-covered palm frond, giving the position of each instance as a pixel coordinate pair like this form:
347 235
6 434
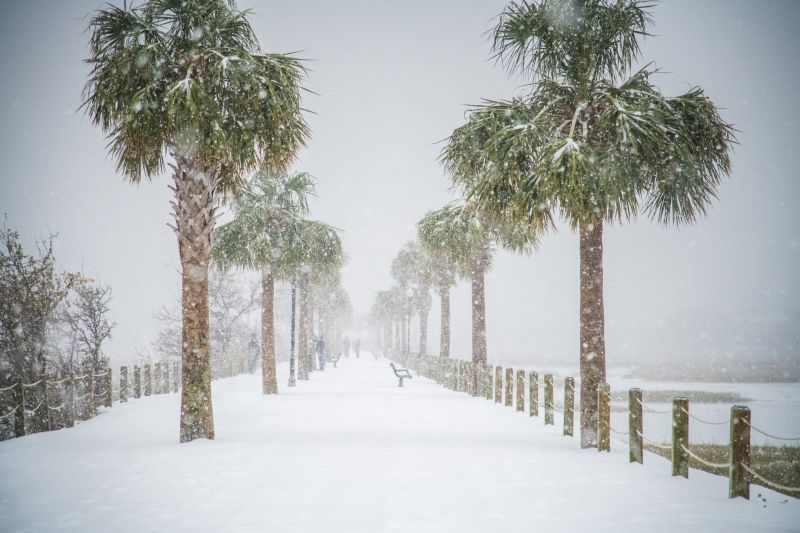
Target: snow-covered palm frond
576 40
190 74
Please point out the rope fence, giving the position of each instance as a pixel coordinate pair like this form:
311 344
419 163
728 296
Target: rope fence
504 385
767 482
701 460
81 395
654 443
721 423
769 435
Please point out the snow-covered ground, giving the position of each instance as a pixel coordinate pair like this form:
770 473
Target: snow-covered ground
349 451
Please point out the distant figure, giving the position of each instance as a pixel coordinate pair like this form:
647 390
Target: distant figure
321 352
357 347
255 352
346 346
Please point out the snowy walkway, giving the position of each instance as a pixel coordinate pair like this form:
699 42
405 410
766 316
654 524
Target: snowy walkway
349 451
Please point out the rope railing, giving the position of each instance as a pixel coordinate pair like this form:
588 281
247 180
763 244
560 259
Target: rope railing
767 482
34 410
654 411
701 460
653 443
724 422
619 432
8 414
97 389
769 435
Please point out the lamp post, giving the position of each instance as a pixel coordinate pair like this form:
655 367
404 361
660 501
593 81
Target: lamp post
292 381
410 295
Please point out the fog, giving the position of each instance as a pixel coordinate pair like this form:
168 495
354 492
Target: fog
390 80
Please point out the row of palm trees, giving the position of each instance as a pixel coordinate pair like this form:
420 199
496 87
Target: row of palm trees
185 85
591 141
270 234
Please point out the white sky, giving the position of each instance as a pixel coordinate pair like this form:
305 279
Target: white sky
393 79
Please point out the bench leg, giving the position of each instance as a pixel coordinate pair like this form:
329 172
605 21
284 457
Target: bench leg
401 382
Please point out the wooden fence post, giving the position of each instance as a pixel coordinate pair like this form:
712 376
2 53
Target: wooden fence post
738 481
604 417
489 377
165 384
680 437
521 390
635 426
123 384
548 400
177 383
453 375
70 409
19 416
148 383
569 406
533 396
509 387
109 397
498 384
157 379
474 381
92 404
477 372
137 381
47 402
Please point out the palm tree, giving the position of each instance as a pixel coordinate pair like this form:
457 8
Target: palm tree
593 142
317 251
382 315
412 270
467 244
440 245
255 239
188 80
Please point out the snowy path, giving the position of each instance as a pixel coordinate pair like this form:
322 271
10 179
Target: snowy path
349 451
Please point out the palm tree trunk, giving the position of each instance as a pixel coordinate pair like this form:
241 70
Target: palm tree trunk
444 341
593 344
269 379
194 219
404 338
423 332
302 328
310 331
478 312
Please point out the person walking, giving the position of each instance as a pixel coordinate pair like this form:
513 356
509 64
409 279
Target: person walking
321 352
357 347
255 352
